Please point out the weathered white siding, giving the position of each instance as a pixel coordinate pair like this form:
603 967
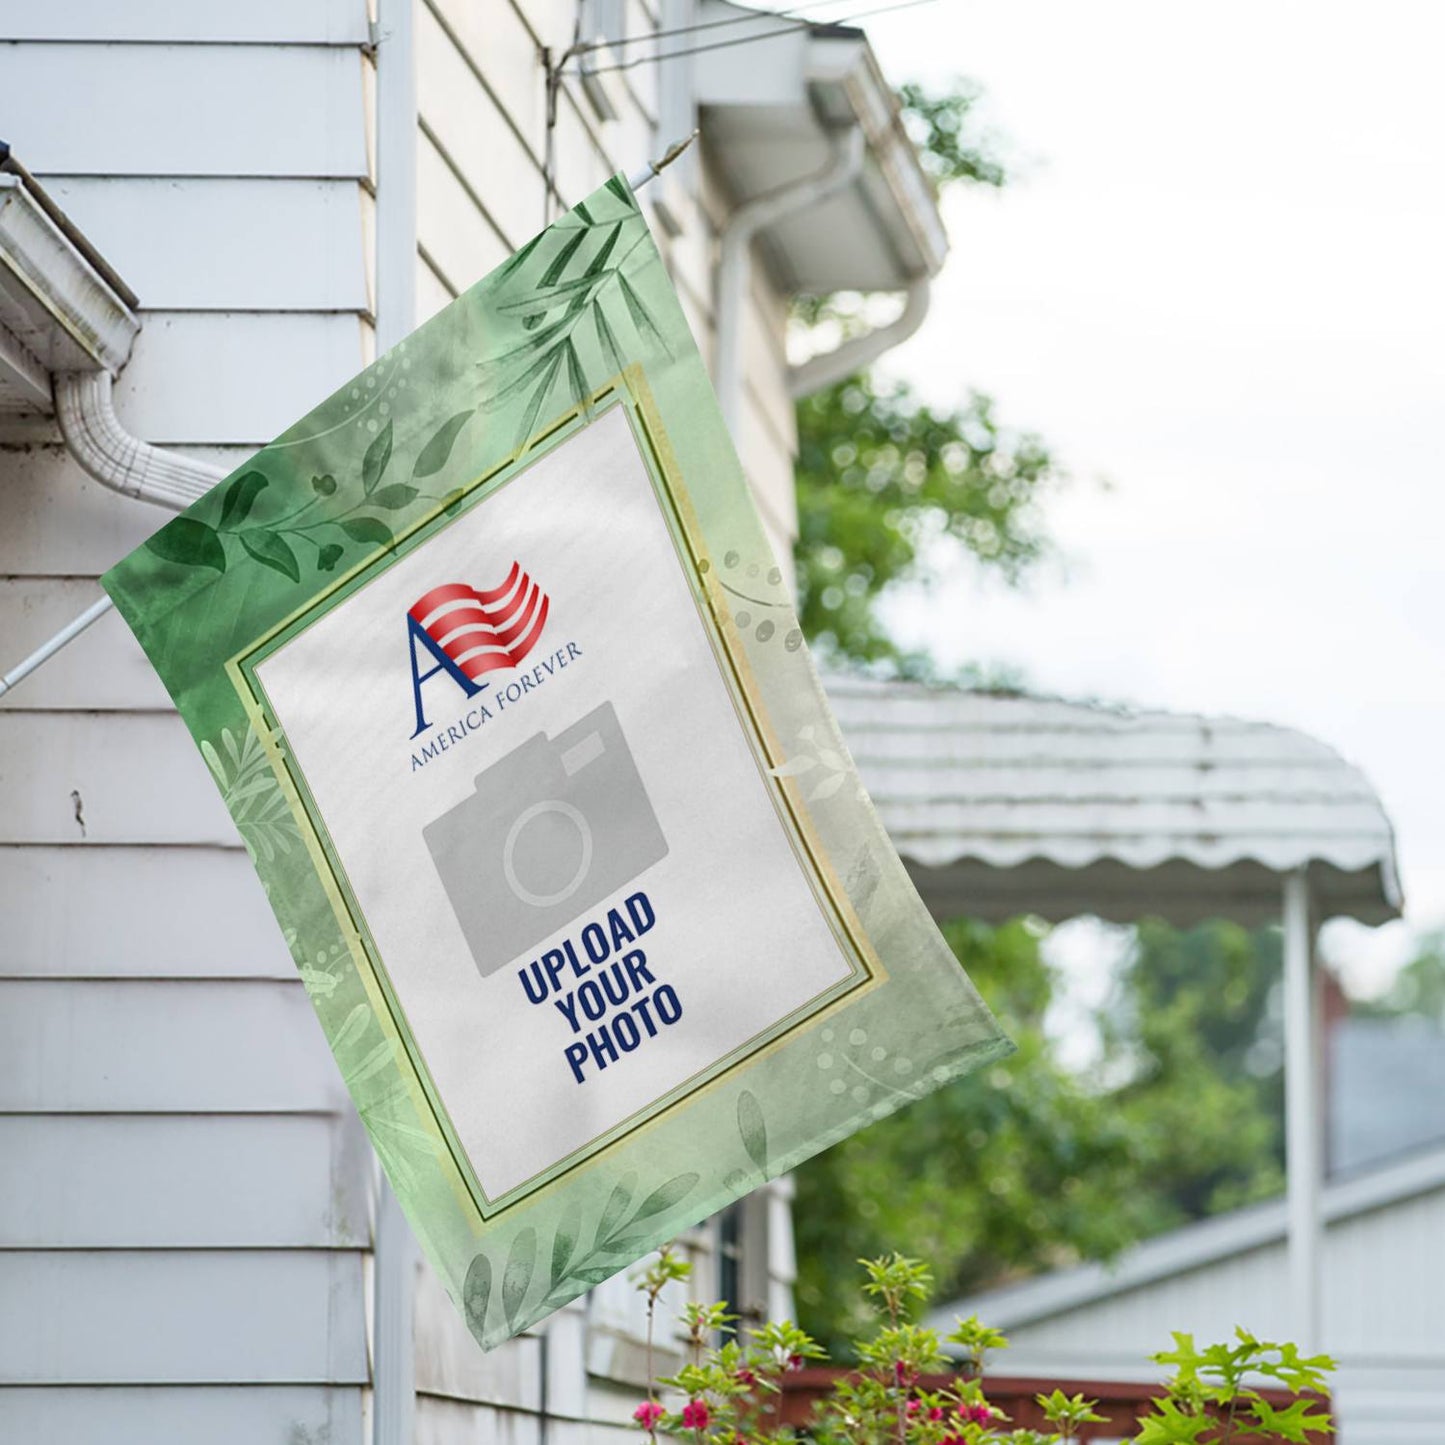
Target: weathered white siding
186 1195
481 149
185 1214
1383 1299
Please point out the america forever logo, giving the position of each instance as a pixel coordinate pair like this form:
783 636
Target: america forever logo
466 632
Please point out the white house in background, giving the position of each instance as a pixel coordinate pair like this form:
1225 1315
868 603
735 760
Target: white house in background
250 196
1383 1300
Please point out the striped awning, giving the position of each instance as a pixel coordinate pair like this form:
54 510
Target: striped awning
1007 804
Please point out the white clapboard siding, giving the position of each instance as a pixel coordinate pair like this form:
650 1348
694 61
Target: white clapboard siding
102 780
185 110
87 1317
58 522
494 41
295 1181
452 1422
158 1046
103 668
433 290
468 127
584 158
278 21
251 1414
449 1364
227 244
233 377
137 913
461 243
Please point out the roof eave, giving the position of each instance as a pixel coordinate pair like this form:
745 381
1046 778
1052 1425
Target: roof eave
770 114
57 312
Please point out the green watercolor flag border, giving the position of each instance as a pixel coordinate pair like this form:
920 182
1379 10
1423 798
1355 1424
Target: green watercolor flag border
486 381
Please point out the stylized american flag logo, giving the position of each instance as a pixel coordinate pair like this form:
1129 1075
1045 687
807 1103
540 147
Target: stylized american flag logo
482 631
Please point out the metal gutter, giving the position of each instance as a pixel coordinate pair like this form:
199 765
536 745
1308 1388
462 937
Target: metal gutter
735 260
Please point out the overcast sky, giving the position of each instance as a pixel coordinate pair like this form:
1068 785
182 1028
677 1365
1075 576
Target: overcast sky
1217 283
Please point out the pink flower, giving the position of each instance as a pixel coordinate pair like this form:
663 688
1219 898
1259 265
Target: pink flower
978 1414
695 1415
795 1362
936 1413
912 1407
648 1413
903 1372
745 1376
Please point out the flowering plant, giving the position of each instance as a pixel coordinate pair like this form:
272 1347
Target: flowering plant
913 1386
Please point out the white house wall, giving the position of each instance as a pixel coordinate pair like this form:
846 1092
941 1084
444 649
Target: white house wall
1384 1320
186 1204
186 1212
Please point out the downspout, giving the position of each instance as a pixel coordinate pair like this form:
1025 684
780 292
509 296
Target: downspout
735 259
96 439
394 1260
825 370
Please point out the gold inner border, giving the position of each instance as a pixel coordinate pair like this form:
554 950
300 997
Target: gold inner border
715 613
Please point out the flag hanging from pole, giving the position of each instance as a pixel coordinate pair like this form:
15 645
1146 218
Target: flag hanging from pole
502 687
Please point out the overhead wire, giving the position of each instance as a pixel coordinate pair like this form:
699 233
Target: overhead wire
778 30
789 13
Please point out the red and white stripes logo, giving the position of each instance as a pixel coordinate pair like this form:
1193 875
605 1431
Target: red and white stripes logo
481 631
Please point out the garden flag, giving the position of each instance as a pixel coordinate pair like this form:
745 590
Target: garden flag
504 692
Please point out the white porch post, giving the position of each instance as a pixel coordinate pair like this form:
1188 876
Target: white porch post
1303 1131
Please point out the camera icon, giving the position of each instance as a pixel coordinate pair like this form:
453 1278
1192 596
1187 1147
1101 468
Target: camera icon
553 827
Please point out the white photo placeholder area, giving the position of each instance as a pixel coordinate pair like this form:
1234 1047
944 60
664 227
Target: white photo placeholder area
572 867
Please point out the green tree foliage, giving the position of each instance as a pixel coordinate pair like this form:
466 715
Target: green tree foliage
1192 1023
887 487
1028 1166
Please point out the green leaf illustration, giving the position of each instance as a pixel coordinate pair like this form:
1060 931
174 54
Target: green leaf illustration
599 261
581 209
564 1242
368 1067
665 1196
367 529
595 1275
538 305
619 189
395 496
753 1129
477 1294
240 494
273 551
554 273
351 1031
521 256
616 1206
517 1277
522 382
607 338
433 456
374 463
641 316
633 1244
189 543
534 407
576 377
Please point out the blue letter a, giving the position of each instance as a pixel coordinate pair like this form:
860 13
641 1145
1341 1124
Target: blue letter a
417 633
